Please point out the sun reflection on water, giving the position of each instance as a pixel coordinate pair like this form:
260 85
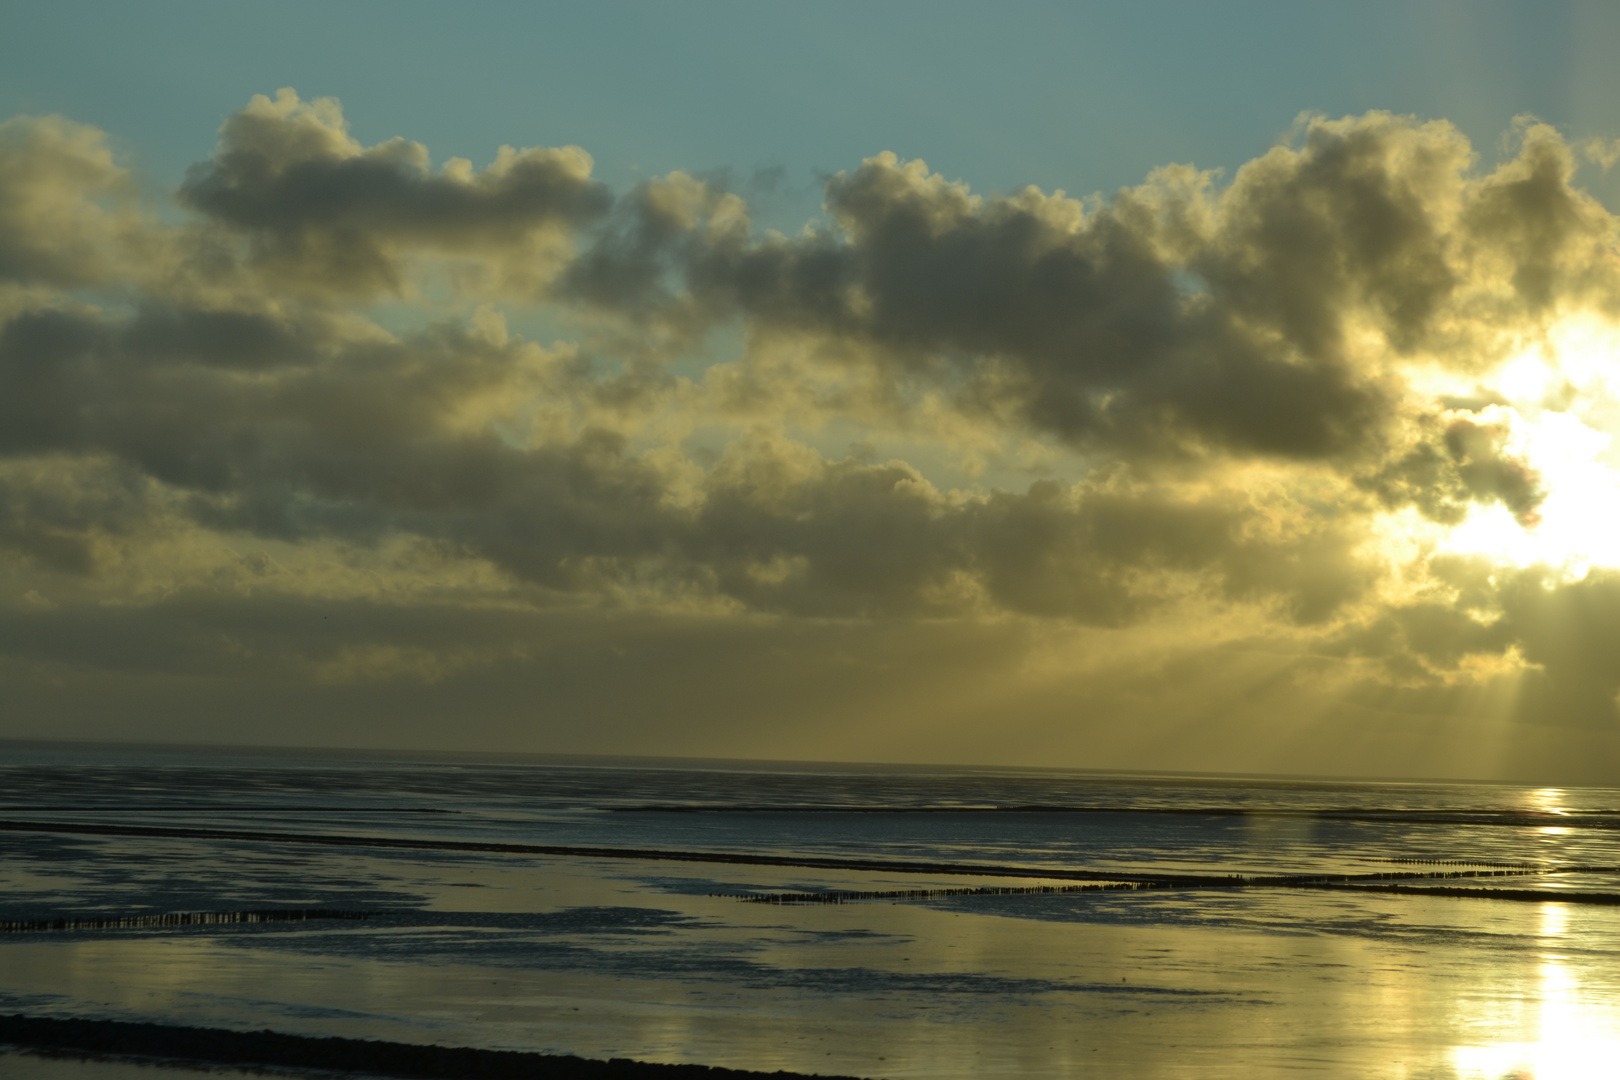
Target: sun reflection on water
1548 801
1568 1037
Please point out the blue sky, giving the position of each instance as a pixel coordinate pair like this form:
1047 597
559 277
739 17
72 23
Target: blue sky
1080 96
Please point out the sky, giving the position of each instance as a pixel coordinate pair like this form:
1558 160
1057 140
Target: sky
1169 386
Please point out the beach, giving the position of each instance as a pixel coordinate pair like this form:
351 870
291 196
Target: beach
819 919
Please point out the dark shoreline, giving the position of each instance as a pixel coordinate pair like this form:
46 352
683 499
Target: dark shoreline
214 1047
1583 819
1407 881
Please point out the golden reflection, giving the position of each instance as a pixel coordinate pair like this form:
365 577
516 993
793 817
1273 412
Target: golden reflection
1549 800
1554 921
1565 1036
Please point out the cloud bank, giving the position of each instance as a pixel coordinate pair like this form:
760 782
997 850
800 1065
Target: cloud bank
396 443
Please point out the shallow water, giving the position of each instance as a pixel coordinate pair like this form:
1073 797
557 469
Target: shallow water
607 955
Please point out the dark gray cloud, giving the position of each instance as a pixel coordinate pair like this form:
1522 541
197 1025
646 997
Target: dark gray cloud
321 209
1175 318
1463 463
1082 326
268 427
60 513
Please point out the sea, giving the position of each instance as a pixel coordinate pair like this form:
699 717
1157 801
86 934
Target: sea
870 921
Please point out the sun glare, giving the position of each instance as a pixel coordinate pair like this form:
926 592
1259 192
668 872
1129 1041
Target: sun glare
1562 406
1564 1035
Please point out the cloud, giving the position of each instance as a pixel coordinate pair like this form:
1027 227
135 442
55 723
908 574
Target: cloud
324 214
282 430
1464 461
67 513
1569 633
64 203
1205 417
1269 317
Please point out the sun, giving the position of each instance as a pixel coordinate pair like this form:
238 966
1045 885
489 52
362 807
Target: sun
1559 407
1577 525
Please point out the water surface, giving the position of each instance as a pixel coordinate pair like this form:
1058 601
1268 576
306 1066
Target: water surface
616 952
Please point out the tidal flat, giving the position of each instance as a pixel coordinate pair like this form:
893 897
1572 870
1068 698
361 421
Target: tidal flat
856 921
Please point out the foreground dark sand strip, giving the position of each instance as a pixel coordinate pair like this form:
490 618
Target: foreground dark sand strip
219 808
215 1047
